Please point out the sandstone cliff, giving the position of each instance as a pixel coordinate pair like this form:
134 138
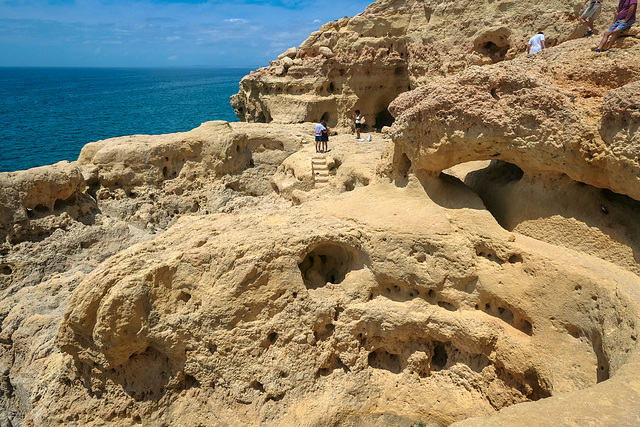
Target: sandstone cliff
394 46
476 264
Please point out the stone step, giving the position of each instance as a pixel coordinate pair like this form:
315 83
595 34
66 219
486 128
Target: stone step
320 170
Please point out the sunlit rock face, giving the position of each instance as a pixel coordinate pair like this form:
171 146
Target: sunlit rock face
474 264
379 305
394 46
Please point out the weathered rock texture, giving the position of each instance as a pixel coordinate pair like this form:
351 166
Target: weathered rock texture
364 62
559 118
475 264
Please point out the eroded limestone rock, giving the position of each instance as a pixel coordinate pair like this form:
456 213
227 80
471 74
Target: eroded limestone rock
394 46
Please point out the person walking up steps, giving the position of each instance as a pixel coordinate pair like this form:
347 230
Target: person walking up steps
624 18
590 14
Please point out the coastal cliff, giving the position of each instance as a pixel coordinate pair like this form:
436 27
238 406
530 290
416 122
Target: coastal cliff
474 264
393 47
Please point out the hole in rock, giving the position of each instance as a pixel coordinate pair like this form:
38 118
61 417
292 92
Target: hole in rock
325 117
276 398
6 269
190 382
273 337
331 365
515 258
440 356
402 166
256 385
329 262
381 359
41 208
151 385
447 305
505 315
58 204
383 118
492 50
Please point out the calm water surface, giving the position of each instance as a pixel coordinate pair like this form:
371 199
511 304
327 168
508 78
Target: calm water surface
49 114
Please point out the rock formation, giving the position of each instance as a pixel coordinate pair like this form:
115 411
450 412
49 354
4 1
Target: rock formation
475 264
394 46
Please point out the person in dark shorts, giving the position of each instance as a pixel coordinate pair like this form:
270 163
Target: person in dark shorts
358 119
324 137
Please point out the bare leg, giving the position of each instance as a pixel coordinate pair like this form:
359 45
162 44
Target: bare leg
614 37
358 133
589 24
605 37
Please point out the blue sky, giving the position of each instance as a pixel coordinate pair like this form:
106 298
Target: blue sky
159 33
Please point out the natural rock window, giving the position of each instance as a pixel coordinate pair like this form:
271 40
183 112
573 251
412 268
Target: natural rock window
329 262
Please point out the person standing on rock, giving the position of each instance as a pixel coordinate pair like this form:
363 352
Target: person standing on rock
536 43
624 18
358 119
325 137
589 15
320 128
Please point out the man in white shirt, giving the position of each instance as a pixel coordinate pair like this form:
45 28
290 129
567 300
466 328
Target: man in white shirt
536 43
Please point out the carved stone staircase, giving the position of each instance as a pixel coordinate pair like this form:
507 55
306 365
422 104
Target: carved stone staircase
320 170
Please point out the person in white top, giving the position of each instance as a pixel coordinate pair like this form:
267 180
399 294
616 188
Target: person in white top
536 43
358 120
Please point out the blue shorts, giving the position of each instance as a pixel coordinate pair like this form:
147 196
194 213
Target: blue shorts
622 26
318 138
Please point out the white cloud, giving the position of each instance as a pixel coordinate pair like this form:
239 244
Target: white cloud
172 58
173 38
236 21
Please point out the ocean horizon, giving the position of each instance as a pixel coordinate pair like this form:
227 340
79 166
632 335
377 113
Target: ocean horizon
47 114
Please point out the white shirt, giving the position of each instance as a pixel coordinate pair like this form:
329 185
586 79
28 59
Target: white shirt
319 129
536 43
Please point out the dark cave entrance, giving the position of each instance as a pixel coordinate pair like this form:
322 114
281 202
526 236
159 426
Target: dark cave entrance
383 118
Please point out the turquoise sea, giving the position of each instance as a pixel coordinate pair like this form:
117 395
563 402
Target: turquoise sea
49 114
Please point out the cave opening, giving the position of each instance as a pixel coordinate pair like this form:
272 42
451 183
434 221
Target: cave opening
494 51
383 118
329 262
